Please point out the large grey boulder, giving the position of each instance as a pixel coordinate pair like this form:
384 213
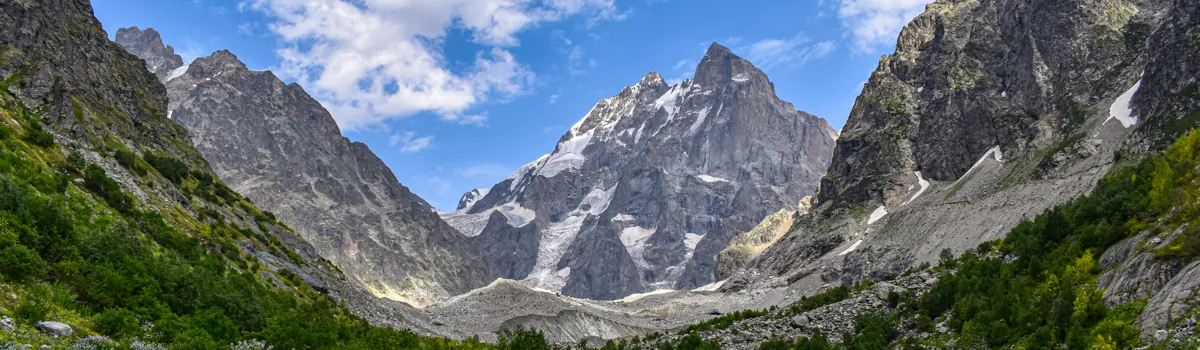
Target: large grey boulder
55 329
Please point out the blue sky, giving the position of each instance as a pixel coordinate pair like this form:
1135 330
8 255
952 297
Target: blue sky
457 94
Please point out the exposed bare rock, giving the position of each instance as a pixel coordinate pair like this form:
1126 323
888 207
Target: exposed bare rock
645 190
148 45
275 144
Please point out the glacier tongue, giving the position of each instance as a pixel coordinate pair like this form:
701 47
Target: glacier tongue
559 236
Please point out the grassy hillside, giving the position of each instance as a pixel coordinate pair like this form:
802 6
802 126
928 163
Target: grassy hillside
76 247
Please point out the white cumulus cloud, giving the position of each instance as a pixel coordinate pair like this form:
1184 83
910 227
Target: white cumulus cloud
872 23
371 60
786 52
409 142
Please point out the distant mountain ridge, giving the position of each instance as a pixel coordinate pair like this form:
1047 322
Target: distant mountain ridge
277 145
644 191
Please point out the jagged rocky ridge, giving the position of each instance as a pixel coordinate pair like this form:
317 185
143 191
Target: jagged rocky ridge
148 45
990 112
645 190
278 146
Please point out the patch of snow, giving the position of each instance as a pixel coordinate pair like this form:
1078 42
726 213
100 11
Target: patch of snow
673 273
691 240
517 215
994 152
469 225
596 201
711 287
178 72
169 113
741 78
711 179
699 120
623 217
638 137
635 297
575 128
635 239
924 186
559 164
1121 110
472 225
670 102
634 236
852 248
479 193
559 236
568 156
518 177
877 214
555 240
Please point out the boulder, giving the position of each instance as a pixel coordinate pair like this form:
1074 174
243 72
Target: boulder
55 329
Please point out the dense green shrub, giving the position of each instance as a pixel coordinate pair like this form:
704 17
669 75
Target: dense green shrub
129 160
872 331
522 339
723 321
827 297
19 263
116 323
1048 296
96 180
170 168
37 135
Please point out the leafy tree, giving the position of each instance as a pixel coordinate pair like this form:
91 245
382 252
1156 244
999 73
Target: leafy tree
19 263
521 339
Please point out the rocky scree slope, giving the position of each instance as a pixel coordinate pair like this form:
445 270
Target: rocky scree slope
645 190
274 143
102 189
989 112
1116 269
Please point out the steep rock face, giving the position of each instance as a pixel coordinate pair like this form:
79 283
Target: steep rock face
1172 74
275 144
468 199
644 191
148 45
750 244
990 112
968 76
